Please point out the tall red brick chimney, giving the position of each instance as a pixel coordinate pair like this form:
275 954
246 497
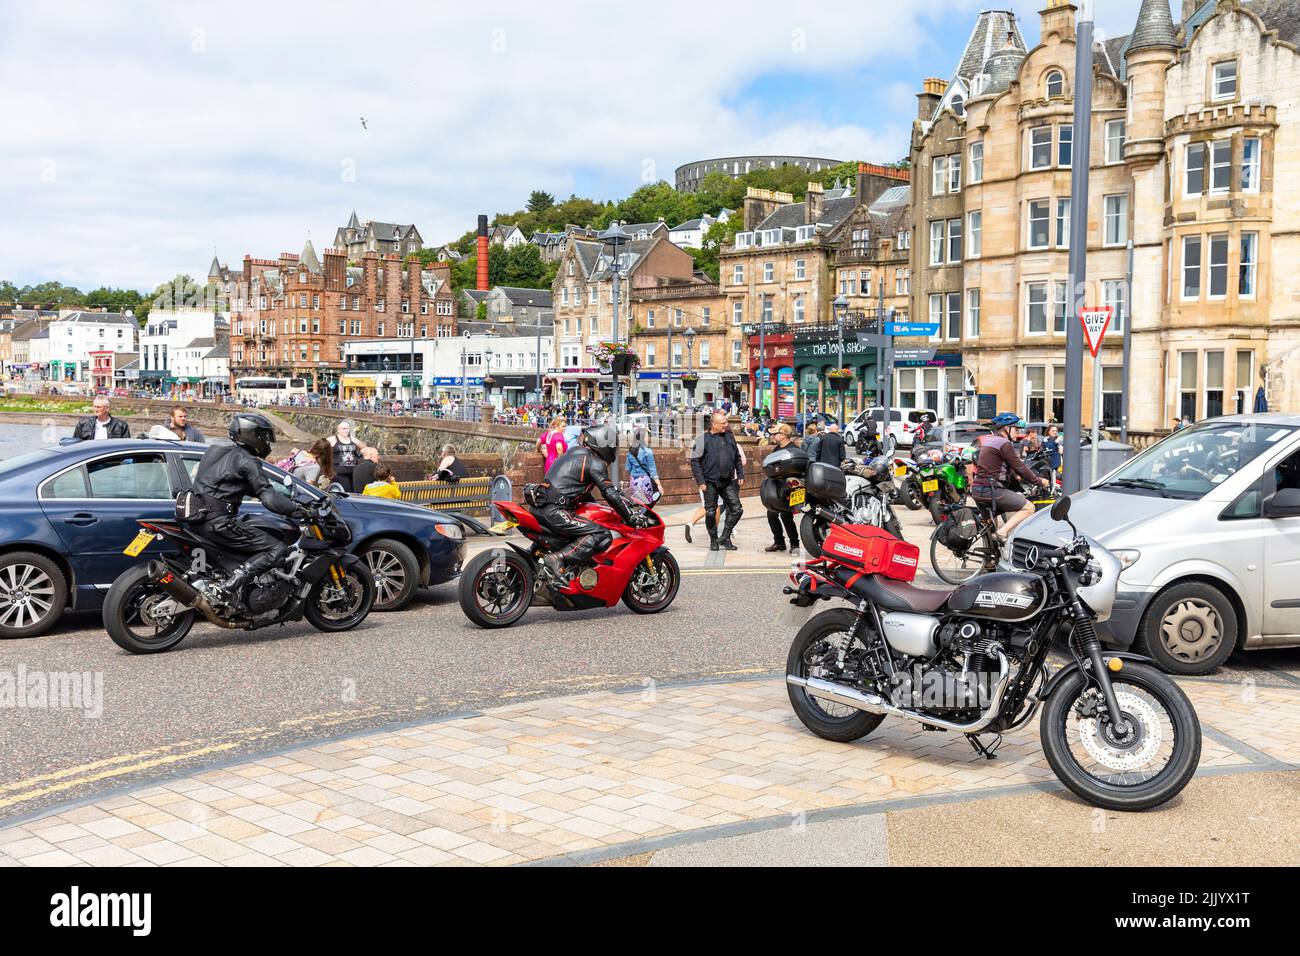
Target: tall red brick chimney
482 254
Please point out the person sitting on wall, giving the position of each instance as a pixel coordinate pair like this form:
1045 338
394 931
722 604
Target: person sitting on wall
450 468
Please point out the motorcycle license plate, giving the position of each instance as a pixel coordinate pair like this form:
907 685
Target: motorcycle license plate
138 544
900 471
929 486
797 497
501 527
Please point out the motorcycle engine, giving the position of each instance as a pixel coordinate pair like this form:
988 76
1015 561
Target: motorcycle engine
266 593
866 509
960 678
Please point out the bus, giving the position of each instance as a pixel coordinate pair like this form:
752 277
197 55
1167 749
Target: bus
270 391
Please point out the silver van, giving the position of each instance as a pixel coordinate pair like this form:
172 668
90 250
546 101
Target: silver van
1206 524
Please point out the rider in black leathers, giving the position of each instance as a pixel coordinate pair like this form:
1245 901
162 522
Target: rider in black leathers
569 482
226 476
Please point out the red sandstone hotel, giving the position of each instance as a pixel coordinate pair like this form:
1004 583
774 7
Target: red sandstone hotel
289 316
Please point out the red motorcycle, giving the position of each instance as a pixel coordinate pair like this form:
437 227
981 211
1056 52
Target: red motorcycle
499 585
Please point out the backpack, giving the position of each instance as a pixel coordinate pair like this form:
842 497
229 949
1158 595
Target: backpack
191 507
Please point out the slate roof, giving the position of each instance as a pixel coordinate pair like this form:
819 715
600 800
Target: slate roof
1280 15
791 215
220 350
993 30
541 298
100 318
308 258
23 331
476 295
1154 27
202 343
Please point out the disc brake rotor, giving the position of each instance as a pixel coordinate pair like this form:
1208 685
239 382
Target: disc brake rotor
1135 710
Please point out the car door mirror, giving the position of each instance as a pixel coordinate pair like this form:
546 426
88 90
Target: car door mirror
1283 503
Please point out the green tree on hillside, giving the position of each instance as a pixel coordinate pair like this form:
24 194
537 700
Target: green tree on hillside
539 201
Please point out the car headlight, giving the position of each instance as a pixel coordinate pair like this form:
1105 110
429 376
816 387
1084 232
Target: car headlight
451 530
1127 557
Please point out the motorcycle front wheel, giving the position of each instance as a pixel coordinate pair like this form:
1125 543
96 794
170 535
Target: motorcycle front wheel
1144 767
141 617
652 587
909 493
496 587
335 607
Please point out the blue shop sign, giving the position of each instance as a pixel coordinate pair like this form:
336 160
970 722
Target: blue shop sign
911 328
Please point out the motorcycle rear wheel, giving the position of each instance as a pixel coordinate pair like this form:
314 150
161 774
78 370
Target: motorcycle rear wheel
496 588
128 613
343 611
1159 706
827 720
909 493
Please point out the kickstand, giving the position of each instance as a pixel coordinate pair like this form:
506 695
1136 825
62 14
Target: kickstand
987 752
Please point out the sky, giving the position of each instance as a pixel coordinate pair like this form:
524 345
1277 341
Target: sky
138 144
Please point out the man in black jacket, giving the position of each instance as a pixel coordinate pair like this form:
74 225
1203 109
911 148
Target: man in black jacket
715 463
831 447
101 424
227 475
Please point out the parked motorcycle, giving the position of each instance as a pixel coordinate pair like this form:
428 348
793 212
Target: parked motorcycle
943 481
908 484
152 607
972 660
826 494
498 586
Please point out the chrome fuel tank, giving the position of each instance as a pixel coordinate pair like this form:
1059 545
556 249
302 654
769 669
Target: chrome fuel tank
911 634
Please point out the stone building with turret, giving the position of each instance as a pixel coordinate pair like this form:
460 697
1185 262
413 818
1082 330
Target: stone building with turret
1190 127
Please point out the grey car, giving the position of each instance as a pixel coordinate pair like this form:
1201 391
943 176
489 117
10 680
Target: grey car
1206 524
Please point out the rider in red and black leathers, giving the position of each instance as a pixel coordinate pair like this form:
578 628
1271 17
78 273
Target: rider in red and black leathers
569 482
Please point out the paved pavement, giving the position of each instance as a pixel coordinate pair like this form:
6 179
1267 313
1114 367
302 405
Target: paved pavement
600 776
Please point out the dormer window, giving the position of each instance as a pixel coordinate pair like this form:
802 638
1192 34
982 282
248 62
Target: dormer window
1055 84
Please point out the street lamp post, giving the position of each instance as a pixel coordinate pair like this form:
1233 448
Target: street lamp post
841 307
488 379
690 379
670 363
615 238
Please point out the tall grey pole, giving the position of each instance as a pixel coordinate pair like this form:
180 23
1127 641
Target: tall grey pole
670 364
613 398
1082 154
1128 346
881 372
464 388
762 364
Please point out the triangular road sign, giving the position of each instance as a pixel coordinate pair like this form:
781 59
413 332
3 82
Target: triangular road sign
1095 319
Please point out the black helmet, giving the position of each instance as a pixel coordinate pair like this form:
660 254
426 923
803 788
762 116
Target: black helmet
254 432
603 440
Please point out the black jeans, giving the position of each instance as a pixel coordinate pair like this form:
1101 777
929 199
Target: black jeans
775 519
730 495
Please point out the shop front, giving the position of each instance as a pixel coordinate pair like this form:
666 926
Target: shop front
817 357
775 357
359 387
933 380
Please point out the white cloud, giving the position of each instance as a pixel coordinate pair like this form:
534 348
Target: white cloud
137 143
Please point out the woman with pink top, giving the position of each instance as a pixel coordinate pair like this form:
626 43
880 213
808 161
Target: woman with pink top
552 445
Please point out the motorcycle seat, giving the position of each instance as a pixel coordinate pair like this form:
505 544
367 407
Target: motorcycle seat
891 595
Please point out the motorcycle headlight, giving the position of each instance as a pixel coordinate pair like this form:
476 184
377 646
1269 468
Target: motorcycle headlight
1127 557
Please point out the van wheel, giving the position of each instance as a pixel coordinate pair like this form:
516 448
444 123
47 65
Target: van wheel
1190 628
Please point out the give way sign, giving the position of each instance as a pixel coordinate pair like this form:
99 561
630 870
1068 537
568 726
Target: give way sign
1095 321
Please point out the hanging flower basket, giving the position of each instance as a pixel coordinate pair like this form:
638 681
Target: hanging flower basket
690 379
488 381
615 357
839 377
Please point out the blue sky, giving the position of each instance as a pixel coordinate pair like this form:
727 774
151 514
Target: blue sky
142 143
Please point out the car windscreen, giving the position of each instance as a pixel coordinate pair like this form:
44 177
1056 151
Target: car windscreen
1192 462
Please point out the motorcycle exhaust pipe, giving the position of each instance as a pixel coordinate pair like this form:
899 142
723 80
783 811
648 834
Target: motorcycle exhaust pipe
185 594
875 704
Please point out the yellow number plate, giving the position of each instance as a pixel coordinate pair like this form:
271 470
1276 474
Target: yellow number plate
900 471
797 497
138 544
929 486
501 527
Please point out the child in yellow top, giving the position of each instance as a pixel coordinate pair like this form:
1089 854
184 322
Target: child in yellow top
383 486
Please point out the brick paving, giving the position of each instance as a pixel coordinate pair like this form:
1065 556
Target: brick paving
568 775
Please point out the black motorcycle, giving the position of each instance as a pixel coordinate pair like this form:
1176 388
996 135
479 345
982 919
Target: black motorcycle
973 660
151 607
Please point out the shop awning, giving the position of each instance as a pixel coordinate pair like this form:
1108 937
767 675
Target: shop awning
358 381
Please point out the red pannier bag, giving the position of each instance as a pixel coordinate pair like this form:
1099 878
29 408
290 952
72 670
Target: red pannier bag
871 550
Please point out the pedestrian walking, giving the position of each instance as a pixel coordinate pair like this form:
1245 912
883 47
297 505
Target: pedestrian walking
830 447
642 474
553 444
718 471
782 522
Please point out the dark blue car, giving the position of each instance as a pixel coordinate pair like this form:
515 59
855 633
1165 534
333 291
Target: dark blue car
67 512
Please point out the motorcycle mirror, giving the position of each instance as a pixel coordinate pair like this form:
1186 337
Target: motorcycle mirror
336 489
1061 509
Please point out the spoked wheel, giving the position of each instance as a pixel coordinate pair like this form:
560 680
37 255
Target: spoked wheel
825 648
341 605
141 617
496 588
1140 767
959 566
654 584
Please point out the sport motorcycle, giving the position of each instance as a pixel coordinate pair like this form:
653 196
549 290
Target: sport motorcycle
972 660
859 493
499 585
152 607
